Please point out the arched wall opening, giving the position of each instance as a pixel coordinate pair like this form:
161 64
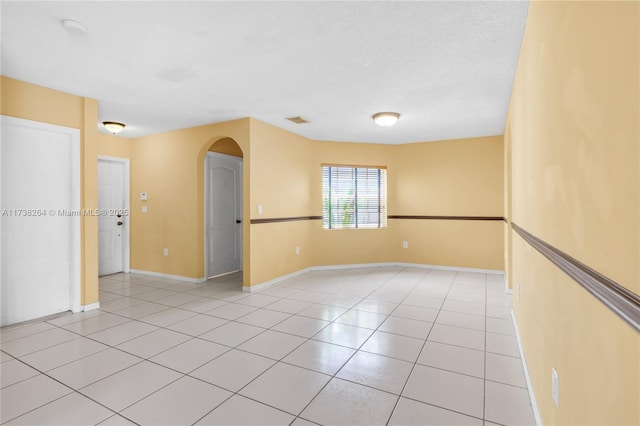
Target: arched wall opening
227 146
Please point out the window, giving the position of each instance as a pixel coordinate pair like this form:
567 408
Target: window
354 197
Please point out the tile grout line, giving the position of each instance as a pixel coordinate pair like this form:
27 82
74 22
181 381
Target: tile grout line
421 349
72 392
484 381
333 376
261 374
335 292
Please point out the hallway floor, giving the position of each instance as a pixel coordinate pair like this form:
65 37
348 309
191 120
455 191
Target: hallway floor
369 346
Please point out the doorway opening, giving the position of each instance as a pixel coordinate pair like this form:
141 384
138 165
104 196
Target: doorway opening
223 211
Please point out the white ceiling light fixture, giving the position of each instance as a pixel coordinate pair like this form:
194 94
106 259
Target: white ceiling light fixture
386 119
74 27
113 127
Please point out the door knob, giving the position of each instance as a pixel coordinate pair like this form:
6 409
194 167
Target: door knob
119 223
238 221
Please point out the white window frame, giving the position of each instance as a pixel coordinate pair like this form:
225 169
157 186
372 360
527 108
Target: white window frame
338 174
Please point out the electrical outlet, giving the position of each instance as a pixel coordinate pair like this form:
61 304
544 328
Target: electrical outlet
405 244
297 249
555 390
165 252
259 208
144 209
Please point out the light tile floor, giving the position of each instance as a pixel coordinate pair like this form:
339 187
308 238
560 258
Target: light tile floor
371 346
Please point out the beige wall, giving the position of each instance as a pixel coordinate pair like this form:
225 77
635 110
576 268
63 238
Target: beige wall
170 168
113 146
462 177
450 178
31 102
281 185
280 176
349 246
507 213
573 130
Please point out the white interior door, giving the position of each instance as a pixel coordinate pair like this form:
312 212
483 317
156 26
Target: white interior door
223 214
113 218
40 220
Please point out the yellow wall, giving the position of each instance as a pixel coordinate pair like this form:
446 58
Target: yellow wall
280 182
450 178
462 177
113 146
574 136
170 168
31 102
273 249
349 246
457 243
508 237
280 176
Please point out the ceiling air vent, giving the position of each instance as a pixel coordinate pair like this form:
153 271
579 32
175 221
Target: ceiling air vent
297 120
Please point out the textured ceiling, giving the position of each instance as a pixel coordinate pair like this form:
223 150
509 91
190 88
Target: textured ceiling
447 67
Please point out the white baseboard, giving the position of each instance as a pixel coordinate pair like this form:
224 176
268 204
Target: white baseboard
91 307
169 276
449 268
269 283
351 266
408 265
532 395
506 285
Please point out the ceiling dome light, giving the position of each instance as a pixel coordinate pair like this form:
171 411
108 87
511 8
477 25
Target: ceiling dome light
386 119
113 126
74 26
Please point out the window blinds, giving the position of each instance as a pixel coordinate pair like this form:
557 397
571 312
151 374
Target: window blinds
354 197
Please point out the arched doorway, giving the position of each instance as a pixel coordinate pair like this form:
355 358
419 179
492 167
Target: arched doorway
223 208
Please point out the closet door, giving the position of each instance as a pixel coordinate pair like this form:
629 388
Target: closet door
40 204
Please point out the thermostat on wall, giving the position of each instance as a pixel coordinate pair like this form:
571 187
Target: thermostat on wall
144 196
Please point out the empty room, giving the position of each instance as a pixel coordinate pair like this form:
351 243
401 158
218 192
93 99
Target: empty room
320 213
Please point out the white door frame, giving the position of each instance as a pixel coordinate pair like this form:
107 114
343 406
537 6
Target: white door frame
75 304
126 241
206 187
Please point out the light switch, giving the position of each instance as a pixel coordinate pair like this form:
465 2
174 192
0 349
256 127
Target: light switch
144 209
144 196
259 208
